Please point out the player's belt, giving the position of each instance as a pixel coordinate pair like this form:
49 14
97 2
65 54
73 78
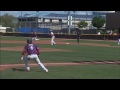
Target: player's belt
33 54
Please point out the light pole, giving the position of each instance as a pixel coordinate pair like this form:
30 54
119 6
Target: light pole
1 18
21 21
25 19
25 16
86 19
69 22
37 12
74 19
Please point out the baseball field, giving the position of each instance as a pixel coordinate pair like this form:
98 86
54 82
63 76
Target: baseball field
91 59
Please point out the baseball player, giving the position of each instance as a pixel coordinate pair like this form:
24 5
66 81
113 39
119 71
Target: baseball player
35 37
32 54
119 39
78 35
52 38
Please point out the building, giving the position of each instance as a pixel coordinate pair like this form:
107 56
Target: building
58 21
4 29
53 21
113 21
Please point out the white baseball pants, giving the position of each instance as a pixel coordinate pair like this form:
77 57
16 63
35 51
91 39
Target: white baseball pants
33 57
52 40
118 41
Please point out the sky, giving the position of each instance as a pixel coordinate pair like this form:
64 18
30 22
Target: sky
41 13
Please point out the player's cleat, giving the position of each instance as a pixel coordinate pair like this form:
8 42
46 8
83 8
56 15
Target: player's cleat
27 69
46 70
36 39
54 43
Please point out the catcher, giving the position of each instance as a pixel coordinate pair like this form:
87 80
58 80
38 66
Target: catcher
32 54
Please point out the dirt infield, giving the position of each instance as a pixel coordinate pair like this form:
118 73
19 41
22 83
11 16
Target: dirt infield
20 48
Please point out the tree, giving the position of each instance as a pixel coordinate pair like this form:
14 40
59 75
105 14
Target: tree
98 22
8 21
82 24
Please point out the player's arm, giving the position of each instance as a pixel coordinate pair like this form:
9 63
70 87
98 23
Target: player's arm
52 34
38 50
36 35
23 53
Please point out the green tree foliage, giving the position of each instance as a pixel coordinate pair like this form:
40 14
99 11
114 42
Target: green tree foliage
98 22
8 21
82 24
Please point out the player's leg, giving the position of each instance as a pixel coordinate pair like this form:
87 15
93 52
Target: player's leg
25 59
36 38
78 40
39 63
118 41
33 38
53 40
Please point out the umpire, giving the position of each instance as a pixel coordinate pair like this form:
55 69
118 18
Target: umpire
78 32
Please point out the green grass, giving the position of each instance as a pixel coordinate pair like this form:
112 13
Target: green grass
13 38
17 38
76 53
10 45
108 42
65 72
9 57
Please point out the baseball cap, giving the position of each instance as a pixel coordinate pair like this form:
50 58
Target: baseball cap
29 41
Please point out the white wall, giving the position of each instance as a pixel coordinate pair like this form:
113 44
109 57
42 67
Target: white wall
3 29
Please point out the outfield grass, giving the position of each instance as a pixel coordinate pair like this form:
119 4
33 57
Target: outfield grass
76 53
10 45
108 42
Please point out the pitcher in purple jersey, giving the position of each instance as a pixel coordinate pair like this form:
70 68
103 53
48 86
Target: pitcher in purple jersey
32 54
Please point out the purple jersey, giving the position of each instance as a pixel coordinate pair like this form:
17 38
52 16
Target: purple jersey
119 36
34 35
31 49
